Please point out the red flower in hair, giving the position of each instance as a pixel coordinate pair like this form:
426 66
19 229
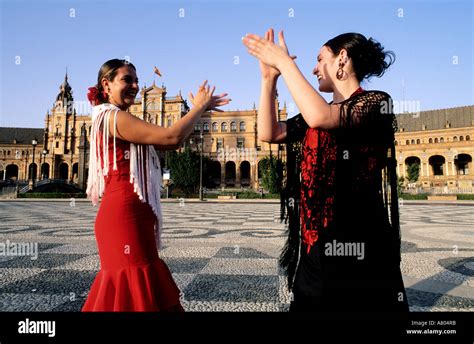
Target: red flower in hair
93 96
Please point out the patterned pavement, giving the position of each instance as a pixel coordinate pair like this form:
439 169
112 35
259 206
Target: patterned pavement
223 255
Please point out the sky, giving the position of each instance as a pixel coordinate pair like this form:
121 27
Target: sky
190 41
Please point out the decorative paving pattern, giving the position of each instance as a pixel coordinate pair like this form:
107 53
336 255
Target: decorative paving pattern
223 256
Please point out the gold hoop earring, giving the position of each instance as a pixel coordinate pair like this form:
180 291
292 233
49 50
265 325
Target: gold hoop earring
340 72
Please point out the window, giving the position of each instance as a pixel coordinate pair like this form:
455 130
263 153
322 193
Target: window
242 126
455 139
441 140
408 142
57 144
412 142
233 127
430 140
468 137
240 142
220 143
224 127
197 127
396 143
170 122
461 138
436 140
214 126
418 141
206 127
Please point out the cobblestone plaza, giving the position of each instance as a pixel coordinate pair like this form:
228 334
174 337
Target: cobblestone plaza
223 255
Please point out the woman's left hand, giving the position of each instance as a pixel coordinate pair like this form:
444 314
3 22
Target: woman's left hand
266 51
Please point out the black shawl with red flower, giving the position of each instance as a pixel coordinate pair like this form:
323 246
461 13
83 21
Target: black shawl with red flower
354 164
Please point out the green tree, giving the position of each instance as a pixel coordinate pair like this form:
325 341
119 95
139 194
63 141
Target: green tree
401 181
271 169
184 168
413 172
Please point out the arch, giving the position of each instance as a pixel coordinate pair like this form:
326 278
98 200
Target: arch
412 141
455 139
430 140
411 172
461 138
407 142
215 127
33 171
463 162
197 127
436 140
214 173
205 127
64 171
230 173
245 173
396 142
441 140
44 170
242 126
437 163
418 141
75 172
233 126
11 172
468 138
223 126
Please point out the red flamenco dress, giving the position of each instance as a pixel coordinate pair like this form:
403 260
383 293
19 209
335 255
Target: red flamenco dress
132 275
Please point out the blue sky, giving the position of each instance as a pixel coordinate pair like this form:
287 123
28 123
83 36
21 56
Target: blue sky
433 42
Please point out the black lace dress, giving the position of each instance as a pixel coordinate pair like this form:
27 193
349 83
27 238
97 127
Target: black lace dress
340 201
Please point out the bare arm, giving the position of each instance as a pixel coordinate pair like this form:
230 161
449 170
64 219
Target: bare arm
316 112
269 130
135 130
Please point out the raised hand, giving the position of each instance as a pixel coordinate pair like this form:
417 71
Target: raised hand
205 97
266 50
267 71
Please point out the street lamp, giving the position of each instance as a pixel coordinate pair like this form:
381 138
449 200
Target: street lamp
199 145
44 163
34 143
200 167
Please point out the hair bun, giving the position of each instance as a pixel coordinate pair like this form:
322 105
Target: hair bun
376 60
368 56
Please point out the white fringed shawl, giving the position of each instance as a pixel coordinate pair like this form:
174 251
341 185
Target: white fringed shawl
145 169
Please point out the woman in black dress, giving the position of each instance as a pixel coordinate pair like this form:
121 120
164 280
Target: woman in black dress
343 248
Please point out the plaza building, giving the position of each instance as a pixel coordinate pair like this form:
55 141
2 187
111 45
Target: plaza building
60 151
441 143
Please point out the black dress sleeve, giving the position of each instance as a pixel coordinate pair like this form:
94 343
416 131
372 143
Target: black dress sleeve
295 129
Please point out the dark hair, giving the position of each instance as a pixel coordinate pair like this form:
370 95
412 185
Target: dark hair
109 71
368 55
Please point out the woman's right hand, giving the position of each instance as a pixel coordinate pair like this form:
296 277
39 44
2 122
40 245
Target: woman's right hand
205 98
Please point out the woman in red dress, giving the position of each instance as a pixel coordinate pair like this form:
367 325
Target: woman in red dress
125 171
343 248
